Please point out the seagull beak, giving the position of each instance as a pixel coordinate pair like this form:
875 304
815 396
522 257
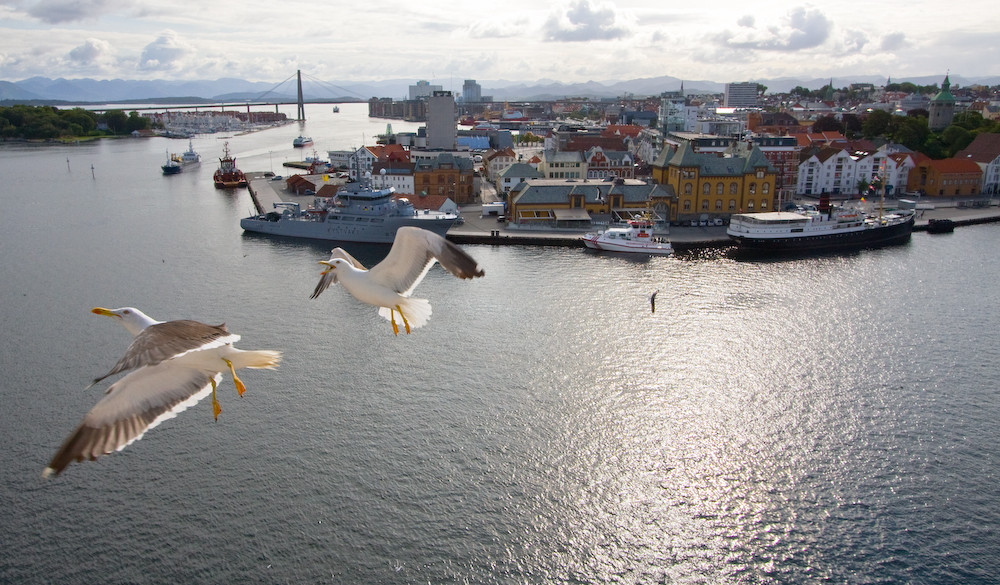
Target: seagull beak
328 265
105 312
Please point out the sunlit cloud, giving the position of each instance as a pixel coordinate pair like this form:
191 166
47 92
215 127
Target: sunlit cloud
581 21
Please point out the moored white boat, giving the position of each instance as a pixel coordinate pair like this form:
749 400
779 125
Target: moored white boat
821 229
635 236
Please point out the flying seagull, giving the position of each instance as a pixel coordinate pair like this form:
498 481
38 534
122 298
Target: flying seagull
175 363
652 300
389 283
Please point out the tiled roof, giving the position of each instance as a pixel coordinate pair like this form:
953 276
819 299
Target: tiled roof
985 148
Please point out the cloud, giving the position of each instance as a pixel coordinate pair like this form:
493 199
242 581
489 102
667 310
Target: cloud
746 21
164 53
893 41
490 29
583 22
60 11
802 28
90 52
854 41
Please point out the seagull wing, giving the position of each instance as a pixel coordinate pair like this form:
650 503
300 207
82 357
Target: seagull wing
163 341
133 405
330 277
413 252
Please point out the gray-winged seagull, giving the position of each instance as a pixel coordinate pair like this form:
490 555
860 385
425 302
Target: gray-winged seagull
176 363
389 283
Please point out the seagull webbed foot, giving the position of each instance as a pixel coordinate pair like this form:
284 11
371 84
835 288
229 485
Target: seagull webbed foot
405 322
240 387
392 317
216 407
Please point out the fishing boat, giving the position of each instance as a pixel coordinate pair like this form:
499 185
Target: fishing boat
823 228
171 167
635 236
302 141
356 213
228 175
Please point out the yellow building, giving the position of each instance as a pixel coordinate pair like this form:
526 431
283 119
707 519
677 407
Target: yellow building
739 181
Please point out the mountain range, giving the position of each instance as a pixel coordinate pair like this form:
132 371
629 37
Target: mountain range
87 90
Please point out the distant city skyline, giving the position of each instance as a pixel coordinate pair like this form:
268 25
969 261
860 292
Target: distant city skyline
569 41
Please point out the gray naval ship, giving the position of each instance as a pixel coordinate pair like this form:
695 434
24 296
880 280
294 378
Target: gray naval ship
357 213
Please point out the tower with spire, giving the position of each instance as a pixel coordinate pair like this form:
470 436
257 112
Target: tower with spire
942 108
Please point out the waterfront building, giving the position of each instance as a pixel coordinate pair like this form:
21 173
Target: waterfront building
707 183
740 95
942 108
579 203
836 170
442 123
446 174
949 177
985 151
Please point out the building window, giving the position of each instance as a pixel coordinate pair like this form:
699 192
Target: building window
706 189
718 188
753 188
732 188
763 203
765 188
687 205
704 204
750 205
718 204
687 188
732 204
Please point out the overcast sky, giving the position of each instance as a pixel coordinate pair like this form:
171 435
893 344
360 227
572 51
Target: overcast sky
568 41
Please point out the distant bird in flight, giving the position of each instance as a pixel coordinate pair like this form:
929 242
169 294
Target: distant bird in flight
652 300
175 363
389 283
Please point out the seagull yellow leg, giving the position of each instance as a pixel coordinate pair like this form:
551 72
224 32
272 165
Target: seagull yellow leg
239 383
216 407
405 322
392 317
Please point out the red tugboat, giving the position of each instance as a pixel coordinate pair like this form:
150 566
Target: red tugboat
227 175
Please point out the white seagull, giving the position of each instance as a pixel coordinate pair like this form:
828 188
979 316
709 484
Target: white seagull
176 363
389 283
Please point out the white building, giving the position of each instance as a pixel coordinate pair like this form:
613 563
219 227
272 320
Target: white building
836 171
423 90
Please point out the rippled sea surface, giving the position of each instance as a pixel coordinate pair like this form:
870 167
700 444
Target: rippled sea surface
823 419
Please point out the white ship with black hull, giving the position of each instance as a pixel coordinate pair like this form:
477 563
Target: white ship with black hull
357 213
825 228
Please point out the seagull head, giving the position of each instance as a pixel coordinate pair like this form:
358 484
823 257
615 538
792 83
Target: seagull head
131 318
332 265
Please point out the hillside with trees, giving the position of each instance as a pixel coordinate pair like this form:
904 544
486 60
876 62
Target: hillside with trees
22 122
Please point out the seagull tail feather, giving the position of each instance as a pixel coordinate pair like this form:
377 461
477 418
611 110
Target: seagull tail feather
256 359
416 311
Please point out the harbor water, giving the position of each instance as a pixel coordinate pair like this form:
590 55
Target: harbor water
827 419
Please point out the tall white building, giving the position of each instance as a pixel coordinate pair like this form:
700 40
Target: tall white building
442 124
423 90
741 95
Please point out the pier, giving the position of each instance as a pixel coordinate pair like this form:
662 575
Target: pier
476 229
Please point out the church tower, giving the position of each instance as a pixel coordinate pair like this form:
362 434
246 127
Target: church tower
942 108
